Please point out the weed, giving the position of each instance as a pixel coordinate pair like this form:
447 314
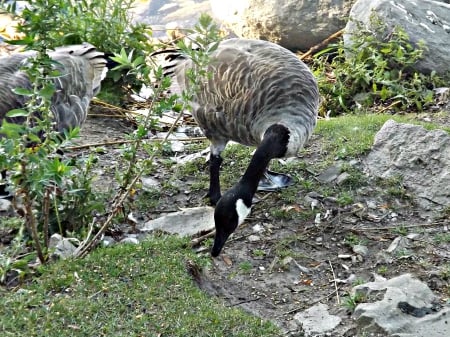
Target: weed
382 270
245 267
442 238
345 198
445 272
352 300
375 68
258 253
352 240
400 230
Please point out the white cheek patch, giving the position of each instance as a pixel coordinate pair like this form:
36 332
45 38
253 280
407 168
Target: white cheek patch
242 211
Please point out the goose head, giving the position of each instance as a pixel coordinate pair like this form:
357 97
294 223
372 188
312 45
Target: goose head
231 210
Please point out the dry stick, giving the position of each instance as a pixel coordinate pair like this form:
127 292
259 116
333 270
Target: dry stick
120 198
308 305
435 223
195 242
110 106
322 44
125 141
338 300
389 106
46 213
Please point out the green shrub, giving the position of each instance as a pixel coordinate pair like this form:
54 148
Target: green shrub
374 69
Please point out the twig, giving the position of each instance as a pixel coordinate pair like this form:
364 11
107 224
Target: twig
110 106
395 227
126 141
338 300
243 302
389 106
322 44
85 248
308 305
195 242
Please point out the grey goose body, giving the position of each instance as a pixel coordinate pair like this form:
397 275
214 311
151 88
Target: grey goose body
81 68
259 94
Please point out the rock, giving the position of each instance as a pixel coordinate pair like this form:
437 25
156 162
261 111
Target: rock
400 243
402 306
330 174
169 15
253 238
293 24
316 320
425 20
150 184
420 156
62 247
360 250
187 222
130 240
343 178
5 205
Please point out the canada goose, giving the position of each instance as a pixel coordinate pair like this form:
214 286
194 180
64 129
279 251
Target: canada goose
259 94
81 67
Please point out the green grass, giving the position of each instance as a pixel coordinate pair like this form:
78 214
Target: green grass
352 135
126 290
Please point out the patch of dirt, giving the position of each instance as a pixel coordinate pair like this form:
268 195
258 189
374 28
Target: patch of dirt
275 268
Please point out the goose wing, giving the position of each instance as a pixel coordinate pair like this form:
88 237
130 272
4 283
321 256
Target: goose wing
81 68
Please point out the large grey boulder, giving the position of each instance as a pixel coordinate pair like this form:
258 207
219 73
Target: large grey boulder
164 15
425 20
402 306
420 156
297 25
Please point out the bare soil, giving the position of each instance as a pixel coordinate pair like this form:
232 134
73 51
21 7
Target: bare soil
275 268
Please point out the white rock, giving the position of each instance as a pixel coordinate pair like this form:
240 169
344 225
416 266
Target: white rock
187 222
316 320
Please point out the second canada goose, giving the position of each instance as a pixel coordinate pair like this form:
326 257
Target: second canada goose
81 68
259 94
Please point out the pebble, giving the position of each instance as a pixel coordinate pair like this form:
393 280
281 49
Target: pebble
360 250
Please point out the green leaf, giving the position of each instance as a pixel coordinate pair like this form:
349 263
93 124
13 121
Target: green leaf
17 113
22 92
47 91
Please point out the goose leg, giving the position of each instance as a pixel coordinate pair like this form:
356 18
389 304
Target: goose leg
214 182
215 160
272 181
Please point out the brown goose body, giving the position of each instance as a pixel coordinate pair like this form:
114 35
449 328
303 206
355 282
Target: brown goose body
81 68
259 94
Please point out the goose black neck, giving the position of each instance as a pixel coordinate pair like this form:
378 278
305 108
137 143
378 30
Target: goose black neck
273 145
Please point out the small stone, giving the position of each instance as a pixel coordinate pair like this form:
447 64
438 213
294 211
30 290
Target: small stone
360 250
149 183
4 205
176 146
287 260
316 320
253 238
329 175
130 240
108 241
258 228
342 178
